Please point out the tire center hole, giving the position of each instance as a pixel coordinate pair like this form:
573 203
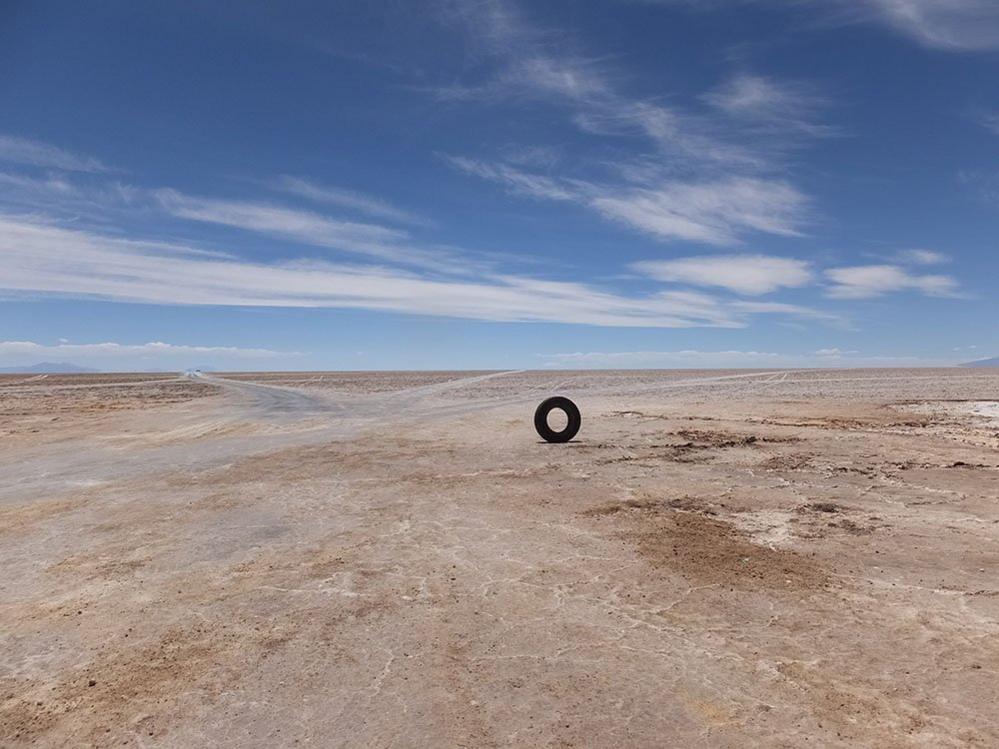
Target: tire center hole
557 420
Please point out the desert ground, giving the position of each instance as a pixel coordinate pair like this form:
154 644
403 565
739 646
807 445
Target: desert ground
719 559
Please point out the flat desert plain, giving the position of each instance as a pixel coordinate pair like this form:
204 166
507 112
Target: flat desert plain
720 559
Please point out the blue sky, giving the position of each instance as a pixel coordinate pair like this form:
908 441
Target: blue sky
494 184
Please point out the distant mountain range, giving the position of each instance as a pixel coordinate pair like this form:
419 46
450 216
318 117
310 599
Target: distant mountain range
994 362
47 367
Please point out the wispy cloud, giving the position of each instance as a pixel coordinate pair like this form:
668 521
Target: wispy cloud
990 121
866 281
711 212
922 257
52 260
51 192
734 359
942 24
682 359
544 157
714 213
89 198
945 24
36 153
520 182
744 274
100 201
771 104
704 172
344 198
305 227
539 64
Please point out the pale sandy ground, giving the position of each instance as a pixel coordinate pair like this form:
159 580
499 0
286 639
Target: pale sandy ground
721 559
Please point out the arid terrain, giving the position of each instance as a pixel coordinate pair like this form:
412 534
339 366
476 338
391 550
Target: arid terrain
719 559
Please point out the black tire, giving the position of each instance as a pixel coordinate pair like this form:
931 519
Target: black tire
562 404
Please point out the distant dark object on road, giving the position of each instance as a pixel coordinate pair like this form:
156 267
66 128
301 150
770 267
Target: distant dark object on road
557 403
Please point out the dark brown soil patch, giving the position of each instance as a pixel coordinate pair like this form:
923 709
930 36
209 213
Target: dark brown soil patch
648 503
713 438
709 551
793 462
614 508
823 507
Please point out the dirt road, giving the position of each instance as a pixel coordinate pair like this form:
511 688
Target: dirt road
721 559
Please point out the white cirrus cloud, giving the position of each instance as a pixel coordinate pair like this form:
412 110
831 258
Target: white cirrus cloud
305 227
717 212
516 180
59 196
734 359
699 173
714 213
534 63
770 103
744 274
865 281
783 308
941 24
990 121
344 198
923 257
18 150
681 359
50 260
945 24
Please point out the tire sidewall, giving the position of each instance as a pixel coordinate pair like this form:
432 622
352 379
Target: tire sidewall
541 419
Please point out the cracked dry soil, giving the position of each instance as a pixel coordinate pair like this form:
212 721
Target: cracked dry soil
712 563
